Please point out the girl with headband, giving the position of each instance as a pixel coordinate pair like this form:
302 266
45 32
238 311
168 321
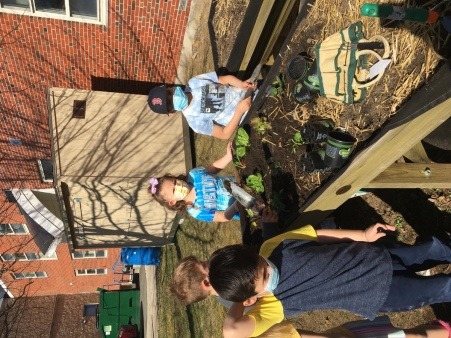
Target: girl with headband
201 193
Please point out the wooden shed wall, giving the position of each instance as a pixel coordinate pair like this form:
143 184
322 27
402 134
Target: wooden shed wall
106 159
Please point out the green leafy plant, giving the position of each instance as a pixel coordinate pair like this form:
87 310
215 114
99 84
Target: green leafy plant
260 125
251 214
242 138
277 86
241 146
255 182
296 141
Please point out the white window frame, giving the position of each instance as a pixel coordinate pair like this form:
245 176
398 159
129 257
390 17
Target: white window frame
27 256
97 272
41 170
30 274
101 19
12 233
86 255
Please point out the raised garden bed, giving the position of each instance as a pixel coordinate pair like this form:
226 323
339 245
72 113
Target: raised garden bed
274 124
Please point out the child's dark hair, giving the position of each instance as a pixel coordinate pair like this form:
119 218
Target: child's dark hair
155 191
233 271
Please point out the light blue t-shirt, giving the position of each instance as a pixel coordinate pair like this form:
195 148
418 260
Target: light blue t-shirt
211 194
211 102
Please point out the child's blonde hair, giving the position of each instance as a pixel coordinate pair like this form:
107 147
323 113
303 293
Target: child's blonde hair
187 281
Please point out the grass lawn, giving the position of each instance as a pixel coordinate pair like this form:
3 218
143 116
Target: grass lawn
200 239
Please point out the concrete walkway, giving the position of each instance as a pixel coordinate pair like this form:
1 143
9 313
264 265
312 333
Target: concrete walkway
196 56
148 297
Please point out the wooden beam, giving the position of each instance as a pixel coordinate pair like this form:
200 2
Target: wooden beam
257 30
417 154
414 175
269 21
396 139
285 12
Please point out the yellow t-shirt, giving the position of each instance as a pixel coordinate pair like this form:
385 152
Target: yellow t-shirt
269 310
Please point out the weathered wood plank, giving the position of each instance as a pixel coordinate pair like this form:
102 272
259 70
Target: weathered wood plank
417 154
414 175
269 21
396 139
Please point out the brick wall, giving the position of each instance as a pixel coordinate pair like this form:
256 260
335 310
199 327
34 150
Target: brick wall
141 44
61 277
50 316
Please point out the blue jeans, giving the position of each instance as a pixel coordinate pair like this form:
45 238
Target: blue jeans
409 290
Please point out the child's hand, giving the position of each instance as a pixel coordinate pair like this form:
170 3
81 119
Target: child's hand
269 216
229 149
376 231
243 106
248 84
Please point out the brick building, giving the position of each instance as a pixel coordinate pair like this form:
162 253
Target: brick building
49 317
124 46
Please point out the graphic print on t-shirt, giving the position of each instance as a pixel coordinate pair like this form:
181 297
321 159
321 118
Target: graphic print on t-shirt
213 98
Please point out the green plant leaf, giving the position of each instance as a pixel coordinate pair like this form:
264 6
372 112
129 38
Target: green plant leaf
255 182
242 138
239 163
240 151
297 138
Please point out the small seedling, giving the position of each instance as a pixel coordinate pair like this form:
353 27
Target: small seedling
297 141
399 223
251 216
255 182
260 125
277 86
239 163
242 138
241 146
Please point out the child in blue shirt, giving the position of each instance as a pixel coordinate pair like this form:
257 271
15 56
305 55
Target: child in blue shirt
201 193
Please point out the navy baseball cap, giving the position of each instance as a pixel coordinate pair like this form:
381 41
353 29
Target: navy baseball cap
157 100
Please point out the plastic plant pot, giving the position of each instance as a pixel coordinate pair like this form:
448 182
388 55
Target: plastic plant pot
338 148
307 87
314 161
317 131
298 67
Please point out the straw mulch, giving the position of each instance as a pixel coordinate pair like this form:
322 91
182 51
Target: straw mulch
228 15
413 61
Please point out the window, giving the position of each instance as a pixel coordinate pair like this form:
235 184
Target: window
46 170
9 196
89 11
15 142
88 272
89 254
26 256
90 310
13 229
8 257
36 274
